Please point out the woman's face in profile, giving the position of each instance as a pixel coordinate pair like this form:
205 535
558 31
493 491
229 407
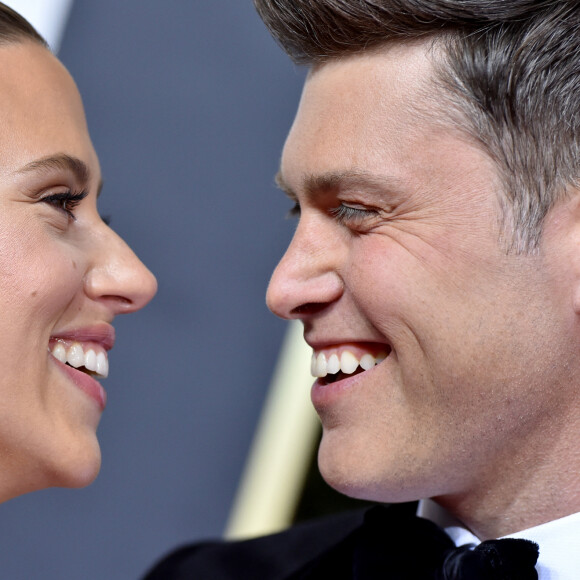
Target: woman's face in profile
64 276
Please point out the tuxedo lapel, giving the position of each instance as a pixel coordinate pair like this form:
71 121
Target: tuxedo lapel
396 545
391 544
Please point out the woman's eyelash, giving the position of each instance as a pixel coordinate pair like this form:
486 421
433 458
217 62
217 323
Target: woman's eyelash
66 201
294 211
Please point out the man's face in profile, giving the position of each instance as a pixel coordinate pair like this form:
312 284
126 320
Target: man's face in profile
398 251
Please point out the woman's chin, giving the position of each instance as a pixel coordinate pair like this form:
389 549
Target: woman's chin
71 467
79 471
76 467
81 477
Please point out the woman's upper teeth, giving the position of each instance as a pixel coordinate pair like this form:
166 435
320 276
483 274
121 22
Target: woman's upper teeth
331 363
76 356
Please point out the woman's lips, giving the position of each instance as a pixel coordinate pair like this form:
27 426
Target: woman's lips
85 383
82 354
89 357
102 334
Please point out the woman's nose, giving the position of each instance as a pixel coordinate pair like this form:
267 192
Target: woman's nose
118 278
306 280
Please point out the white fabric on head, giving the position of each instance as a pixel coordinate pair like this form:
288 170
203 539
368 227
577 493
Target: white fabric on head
49 17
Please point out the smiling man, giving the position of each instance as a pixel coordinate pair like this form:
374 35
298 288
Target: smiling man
434 166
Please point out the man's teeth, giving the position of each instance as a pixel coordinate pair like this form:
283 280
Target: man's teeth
347 363
76 357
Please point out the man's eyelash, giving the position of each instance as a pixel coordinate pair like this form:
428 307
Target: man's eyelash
66 201
344 213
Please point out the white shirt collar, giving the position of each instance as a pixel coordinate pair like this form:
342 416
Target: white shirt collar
559 540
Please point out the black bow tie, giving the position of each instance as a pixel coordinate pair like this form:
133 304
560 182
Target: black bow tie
505 559
392 545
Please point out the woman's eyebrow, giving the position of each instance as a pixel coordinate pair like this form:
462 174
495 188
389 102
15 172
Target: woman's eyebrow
60 162
282 185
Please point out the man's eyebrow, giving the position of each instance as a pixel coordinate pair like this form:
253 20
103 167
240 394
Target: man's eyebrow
350 179
339 180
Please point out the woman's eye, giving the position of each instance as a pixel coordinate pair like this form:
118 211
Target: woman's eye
294 211
66 201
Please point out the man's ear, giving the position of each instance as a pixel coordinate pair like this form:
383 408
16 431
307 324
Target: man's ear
562 232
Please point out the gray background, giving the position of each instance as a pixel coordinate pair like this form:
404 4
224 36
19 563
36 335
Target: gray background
188 104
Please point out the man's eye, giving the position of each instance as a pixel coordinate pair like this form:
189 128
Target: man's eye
67 201
348 215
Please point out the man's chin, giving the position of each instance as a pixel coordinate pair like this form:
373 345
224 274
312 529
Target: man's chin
364 477
346 474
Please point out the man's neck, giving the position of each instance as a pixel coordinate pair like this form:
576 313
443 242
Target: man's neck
495 518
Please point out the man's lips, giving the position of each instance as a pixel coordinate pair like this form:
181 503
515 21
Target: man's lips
346 359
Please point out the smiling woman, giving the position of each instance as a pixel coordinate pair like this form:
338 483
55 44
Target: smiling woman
64 274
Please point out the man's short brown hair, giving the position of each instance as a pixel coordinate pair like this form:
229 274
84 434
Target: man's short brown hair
512 70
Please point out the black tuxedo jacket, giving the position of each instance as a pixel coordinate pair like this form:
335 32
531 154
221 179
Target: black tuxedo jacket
370 544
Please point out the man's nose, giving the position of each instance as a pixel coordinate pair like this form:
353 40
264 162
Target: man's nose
307 278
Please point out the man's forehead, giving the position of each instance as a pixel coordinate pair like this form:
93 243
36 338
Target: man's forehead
362 84
353 116
398 60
